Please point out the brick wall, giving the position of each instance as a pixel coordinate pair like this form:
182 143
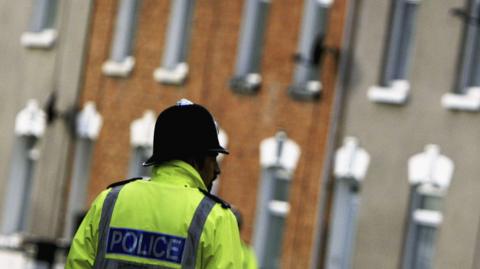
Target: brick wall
246 119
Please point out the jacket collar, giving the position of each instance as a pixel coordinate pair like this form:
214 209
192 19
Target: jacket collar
178 173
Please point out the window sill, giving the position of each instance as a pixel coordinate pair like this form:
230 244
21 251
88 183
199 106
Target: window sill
31 121
13 241
89 122
396 94
428 217
41 40
351 161
325 3
119 69
142 130
174 76
248 84
306 91
279 208
465 102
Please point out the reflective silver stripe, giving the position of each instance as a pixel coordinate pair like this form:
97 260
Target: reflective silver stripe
195 231
107 210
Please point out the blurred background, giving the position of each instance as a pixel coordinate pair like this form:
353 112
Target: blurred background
353 125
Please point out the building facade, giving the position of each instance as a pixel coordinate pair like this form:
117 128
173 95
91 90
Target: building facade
410 102
260 66
42 47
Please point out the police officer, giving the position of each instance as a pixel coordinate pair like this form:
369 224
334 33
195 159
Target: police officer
170 220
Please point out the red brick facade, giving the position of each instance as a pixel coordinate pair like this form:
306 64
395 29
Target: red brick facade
246 119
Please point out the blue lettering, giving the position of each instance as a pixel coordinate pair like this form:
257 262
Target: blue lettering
160 244
174 249
140 251
129 247
145 244
116 237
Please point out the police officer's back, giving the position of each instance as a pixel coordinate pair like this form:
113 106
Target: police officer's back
170 220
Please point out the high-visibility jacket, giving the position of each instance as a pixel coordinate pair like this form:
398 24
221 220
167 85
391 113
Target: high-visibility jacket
169 221
249 258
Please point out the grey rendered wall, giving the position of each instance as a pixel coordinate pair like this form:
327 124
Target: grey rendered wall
34 73
392 134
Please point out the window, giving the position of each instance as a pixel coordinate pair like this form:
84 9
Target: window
141 140
351 163
430 174
278 156
425 218
41 32
174 68
88 127
393 86
121 60
247 77
29 128
466 91
306 80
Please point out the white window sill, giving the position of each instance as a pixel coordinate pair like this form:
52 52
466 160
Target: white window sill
31 121
466 102
142 130
174 76
279 208
306 91
89 122
325 3
41 40
13 241
246 84
351 161
396 94
287 158
119 69
428 217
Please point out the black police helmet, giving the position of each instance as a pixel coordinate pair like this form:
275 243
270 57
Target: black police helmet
183 130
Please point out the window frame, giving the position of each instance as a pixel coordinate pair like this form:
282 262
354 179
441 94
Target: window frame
394 86
174 68
419 219
272 212
247 78
30 125
41 33
88 125
465 94
306 83
351 165
121 60
278 159
429 175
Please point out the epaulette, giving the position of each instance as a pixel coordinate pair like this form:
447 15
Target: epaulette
216 199
123 182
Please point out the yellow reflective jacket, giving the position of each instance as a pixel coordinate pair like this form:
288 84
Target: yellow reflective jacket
150 224
249 258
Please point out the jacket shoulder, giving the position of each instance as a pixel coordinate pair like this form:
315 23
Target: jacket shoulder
124 182
216 199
